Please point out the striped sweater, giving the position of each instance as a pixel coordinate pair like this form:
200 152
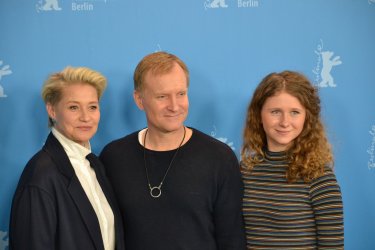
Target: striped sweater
299 215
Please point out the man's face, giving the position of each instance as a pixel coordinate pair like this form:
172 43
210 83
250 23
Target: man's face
164 99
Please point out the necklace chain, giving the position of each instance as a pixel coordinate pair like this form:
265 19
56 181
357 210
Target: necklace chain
155 191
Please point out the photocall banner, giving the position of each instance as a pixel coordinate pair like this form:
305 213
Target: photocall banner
228 45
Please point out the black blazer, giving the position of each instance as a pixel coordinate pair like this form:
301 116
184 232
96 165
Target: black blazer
50 209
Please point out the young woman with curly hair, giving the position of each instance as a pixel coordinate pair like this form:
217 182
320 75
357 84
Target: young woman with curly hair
292 199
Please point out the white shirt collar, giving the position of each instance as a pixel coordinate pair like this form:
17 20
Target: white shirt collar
72 148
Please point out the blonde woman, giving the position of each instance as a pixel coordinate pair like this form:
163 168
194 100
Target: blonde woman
63 199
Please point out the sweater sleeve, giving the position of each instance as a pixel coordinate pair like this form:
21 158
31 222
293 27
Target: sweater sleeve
328 209
229 227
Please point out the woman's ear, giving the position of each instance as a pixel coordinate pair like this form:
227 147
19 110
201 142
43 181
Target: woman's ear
51 111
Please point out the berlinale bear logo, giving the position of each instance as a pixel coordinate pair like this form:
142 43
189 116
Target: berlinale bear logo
328 63
48 5
3 240
324 65
4 70
215 4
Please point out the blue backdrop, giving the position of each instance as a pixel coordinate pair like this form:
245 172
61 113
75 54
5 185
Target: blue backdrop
229 46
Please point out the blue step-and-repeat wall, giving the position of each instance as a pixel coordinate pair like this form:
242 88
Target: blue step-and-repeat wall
229 46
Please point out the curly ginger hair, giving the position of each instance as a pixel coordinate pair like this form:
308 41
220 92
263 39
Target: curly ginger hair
310 152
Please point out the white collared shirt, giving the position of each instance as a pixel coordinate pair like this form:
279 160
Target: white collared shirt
87 177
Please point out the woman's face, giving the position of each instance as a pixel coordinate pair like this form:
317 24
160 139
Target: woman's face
283 118
77 114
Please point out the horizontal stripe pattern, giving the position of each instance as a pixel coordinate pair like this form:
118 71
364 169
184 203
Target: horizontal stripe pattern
299 215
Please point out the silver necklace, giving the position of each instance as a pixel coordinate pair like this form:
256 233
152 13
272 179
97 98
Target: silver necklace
155 191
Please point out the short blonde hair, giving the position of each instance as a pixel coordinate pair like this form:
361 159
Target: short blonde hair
158 63
56 82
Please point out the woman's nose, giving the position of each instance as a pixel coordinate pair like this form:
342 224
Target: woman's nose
284 120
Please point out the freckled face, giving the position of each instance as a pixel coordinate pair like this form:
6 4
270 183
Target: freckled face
283 118
164 99
77 114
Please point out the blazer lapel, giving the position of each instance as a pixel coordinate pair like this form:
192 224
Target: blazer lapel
100 175
87 212
109 194
57 153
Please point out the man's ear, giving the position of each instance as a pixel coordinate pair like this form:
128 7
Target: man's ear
137 95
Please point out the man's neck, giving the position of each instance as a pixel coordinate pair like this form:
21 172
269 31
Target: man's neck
164 141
